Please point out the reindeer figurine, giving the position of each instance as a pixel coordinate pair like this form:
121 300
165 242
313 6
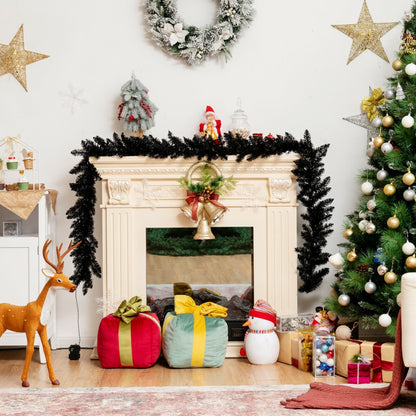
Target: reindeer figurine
28 318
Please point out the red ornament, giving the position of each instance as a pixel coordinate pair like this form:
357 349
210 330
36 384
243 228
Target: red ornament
270 136
330 354
131 118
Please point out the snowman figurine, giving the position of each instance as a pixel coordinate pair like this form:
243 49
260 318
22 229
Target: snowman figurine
261 345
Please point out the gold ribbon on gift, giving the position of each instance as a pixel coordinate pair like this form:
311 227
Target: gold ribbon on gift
127 311
370 104
185 304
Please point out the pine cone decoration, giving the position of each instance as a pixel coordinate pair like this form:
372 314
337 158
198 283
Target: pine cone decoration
362 268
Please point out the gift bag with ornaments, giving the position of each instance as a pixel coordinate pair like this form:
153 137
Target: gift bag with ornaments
130 337
195 335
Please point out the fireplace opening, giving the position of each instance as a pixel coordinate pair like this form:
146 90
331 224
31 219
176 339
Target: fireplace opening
219 271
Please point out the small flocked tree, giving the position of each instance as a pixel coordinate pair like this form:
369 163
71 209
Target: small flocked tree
136 110
381 233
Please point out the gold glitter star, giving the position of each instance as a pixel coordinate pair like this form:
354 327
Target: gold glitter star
14 58
366 34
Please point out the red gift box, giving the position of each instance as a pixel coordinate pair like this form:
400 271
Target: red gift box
136 344
359 373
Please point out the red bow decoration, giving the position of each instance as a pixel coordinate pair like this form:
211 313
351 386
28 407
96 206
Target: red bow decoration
193 199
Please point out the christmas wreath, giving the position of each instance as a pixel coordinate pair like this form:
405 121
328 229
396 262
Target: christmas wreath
192 43
313 189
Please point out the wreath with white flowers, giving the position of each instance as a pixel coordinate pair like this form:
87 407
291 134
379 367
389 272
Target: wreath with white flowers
192 43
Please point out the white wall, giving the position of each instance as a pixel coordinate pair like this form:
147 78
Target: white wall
289 68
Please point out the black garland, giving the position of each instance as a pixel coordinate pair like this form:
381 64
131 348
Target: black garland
312 190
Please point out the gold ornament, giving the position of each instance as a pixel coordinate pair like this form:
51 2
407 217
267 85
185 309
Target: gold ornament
389 189
378 141
348 232
370 104
366 34
397 65
387 121
352 255
393 222
14 58
408 178
411 262
390 277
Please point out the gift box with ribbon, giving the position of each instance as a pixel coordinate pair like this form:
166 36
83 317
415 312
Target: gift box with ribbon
285 341
302 350
359 373
131 337
381 355
195 335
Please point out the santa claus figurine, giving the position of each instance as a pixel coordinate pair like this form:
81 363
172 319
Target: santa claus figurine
212 127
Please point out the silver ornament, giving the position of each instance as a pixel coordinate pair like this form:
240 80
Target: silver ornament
382 175
370 287
409 194
371 204
370 228
389 93
408 16
387 147
343 299
370 149
377 122
382 269
408 248
363 224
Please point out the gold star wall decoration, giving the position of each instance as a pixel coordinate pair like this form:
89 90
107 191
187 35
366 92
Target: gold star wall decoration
366 34
14 58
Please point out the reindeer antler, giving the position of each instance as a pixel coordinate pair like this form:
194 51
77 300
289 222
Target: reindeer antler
59 267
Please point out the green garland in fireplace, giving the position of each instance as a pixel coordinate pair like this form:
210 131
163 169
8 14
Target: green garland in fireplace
313 190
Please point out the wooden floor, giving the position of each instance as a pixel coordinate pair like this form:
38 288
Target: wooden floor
89 373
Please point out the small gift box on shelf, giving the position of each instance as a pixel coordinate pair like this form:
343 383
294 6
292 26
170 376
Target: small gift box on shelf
359 369
285 341
323 354
302 350
130 337
295 322
195 335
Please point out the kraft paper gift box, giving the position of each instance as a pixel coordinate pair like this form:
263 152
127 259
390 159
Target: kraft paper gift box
381 355
285 340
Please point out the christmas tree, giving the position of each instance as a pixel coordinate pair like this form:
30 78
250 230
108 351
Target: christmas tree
136 110
381 233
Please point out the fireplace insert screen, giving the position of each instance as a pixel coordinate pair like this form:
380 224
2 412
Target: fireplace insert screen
219 271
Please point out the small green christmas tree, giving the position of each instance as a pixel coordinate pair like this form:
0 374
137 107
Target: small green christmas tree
381 232
136 110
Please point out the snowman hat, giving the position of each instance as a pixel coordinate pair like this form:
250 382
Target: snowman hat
209 110
263 310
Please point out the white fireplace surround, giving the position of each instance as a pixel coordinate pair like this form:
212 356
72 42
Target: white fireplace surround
143 192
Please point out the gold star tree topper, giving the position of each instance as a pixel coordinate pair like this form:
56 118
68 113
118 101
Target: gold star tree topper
366 34
14 58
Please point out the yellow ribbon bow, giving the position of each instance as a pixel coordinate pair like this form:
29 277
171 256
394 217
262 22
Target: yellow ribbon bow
185 304
370 104
127 311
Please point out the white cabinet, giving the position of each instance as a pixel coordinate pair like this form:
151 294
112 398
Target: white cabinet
21 261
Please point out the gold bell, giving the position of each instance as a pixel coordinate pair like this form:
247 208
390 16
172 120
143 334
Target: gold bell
187 210
214 213
203 231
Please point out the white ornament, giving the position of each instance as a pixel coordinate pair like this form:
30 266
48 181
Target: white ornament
382 269
370 228
384 320
343 332
408 248
336 260
408 16
330 362
370 287
408 121
323 358
386 147
389 93
362 225
318 352
371 204
344 299
410 69
409 194
367 188
382 175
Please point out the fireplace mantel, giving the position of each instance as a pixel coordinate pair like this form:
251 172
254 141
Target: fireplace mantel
140 192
